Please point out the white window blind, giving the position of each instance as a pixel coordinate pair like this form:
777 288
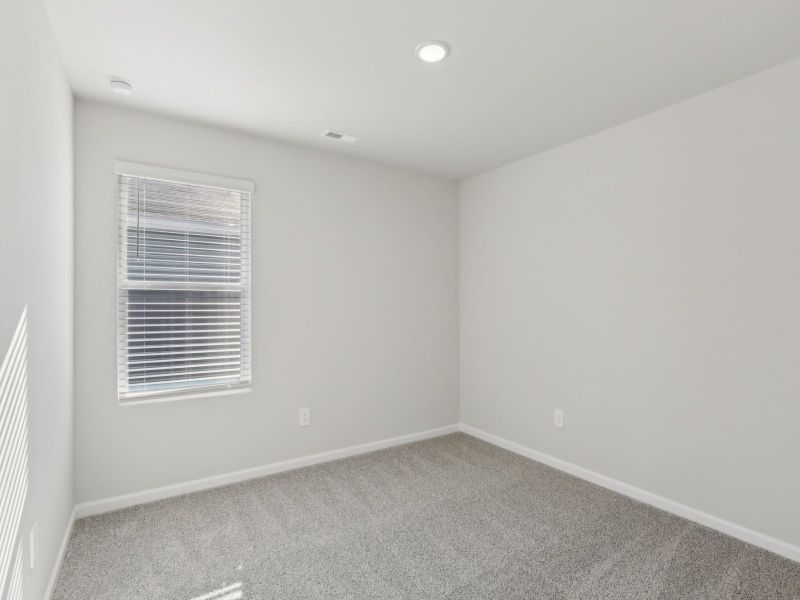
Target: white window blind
183 283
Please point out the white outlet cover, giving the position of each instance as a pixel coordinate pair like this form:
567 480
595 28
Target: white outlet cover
304 417
558 418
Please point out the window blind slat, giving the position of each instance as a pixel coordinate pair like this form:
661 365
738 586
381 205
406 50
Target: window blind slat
136 351
183 288
190 359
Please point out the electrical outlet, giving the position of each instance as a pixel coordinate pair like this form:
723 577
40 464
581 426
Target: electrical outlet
304 417
34 544
558 418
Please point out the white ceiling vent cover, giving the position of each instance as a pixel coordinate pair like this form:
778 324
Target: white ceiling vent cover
340 137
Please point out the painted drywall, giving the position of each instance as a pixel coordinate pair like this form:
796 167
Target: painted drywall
645 280
36 253
354 284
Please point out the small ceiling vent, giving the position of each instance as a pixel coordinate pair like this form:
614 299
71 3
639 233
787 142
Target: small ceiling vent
340 137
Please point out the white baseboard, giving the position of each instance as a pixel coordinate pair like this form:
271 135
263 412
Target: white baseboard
95 507
51 585
750 536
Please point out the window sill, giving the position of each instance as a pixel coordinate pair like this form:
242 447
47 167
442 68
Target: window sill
160 398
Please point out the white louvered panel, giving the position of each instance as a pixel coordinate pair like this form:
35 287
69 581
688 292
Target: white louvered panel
183 286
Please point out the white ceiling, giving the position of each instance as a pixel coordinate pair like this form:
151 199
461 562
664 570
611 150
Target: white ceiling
523 75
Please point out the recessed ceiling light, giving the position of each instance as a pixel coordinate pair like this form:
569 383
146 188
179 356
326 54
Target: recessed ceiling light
121 87
432 52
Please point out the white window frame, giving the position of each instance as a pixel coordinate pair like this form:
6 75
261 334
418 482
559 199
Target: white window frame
179 176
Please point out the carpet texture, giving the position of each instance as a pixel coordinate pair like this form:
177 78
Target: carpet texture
448 518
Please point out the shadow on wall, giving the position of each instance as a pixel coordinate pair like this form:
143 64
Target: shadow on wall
13 458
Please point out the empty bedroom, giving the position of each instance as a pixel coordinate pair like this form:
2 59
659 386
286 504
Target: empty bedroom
399 300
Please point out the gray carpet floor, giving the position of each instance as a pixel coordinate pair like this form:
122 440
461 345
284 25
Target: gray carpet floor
447 518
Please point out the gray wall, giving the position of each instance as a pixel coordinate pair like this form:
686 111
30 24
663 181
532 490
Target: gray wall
645 279
354 287
36 254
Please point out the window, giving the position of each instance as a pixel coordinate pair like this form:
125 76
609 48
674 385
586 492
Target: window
183 283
